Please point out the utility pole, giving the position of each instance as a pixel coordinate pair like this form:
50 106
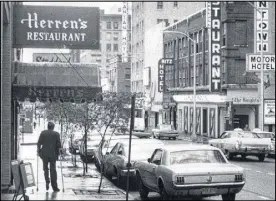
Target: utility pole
85 141
130 136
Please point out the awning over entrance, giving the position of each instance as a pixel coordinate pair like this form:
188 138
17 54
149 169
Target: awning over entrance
66 94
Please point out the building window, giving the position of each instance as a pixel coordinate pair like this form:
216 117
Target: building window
224 34
175 4
163 20
241 32
115 25
115 47
108 25
108 47
116 36
160 5
108 36
174 21
127 76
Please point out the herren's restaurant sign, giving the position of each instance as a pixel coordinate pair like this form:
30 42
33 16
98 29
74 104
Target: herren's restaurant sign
56 27
214 21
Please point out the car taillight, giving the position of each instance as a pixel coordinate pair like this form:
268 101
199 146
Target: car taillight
239 177
238 144
271 147
180 180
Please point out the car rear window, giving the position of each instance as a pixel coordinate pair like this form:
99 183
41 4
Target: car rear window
196 156
245 135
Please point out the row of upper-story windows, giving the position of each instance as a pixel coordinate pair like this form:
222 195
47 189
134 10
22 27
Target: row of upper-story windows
109 25
139 27
160 4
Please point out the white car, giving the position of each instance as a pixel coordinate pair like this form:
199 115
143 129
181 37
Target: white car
244 143
165 130
189 171
266 134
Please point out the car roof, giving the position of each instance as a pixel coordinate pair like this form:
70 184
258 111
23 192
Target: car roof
188 147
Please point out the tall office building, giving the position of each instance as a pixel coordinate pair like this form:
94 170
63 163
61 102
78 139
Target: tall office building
110 45
144 16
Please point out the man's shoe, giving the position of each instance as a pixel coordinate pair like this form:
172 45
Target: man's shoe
56 189
47 186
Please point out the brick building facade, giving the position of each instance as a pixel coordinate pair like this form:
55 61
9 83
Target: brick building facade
215 112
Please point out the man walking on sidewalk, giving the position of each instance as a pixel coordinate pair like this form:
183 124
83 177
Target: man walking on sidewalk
50 142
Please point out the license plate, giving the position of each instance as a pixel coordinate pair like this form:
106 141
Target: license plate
209 191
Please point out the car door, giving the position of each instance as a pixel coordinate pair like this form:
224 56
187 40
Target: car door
109 158
119 159
220 140
155 161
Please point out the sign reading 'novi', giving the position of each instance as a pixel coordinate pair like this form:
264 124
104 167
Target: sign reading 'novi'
56 27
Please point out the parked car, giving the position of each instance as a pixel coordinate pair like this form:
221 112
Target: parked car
75 142
115 162
244 143
189 171
93 143
165 130
270 135
106 145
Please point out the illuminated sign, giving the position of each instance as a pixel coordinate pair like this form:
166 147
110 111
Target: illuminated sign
161 73
56 27
51 57
124 32
215 47
259 25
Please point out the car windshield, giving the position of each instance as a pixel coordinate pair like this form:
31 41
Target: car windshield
245 135
266 135
165 127
196 156
140 152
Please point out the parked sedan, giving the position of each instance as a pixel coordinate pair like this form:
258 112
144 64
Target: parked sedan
92 144
165 130
243 143
115 162
270 135
75 142
189 171
107 145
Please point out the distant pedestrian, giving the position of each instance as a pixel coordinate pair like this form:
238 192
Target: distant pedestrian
50 142
34 125
246 128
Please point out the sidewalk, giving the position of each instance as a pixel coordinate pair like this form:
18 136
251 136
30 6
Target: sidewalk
76 186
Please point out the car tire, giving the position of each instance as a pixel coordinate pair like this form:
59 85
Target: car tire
174 138
261 157
243 156
82 158
159 137
229 196
163 192
229 156
143 190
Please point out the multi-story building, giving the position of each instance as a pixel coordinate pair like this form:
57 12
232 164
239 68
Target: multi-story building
144 16
237 103
110 44
118 75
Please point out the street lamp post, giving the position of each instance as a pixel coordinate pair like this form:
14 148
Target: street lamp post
194 87
262 68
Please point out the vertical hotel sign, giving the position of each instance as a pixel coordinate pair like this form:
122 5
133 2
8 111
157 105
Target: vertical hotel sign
124 32
259 25
213 21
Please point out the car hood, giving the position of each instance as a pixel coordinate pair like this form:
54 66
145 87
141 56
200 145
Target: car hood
199 168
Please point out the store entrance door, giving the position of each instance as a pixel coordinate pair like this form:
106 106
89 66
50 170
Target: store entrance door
240 121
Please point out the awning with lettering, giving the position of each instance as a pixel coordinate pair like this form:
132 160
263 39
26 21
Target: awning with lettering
55 93
207 98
